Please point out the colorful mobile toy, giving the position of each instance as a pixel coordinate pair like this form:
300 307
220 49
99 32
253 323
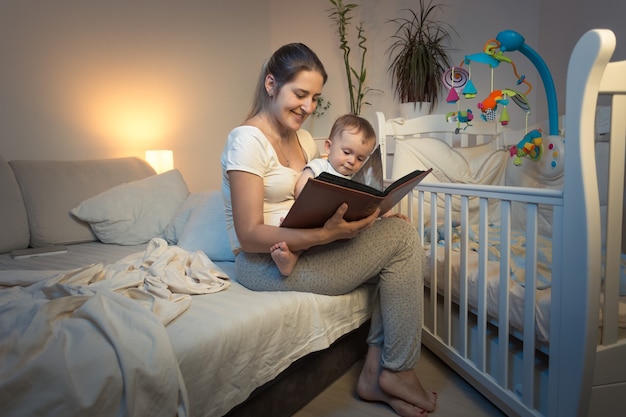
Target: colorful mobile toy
458 80
529 146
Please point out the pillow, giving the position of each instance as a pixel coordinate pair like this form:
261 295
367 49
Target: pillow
423 153
51 188
481 164
135 212
174 230
206 229
13 222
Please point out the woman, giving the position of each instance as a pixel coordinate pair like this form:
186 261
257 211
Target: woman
261 163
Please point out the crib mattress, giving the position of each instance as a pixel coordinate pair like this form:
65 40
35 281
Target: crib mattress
226 344
516 292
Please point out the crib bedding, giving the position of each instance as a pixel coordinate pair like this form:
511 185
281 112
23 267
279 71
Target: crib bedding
517 243
516 282
516 291
205 361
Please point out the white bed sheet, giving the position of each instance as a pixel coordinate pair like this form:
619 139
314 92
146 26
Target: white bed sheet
226 344
77 256
258 334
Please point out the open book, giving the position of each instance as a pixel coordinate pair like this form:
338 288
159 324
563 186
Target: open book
321 196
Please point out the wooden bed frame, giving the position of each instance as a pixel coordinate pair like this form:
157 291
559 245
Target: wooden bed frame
581 371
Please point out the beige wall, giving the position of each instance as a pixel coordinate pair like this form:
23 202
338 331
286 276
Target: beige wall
105 79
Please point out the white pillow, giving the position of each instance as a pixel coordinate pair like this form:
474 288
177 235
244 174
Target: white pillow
174 230
423 153
206 229
134 212
482 164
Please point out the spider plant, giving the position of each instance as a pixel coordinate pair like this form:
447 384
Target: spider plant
419 54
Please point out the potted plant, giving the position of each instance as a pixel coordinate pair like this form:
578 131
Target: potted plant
341 14
419 55
322 106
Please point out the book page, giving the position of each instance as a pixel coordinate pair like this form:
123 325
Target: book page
371 173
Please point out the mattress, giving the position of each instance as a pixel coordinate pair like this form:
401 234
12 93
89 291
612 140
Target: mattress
516 293
231 342
77 255
227 343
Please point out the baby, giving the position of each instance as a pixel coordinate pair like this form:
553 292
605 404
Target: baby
351 141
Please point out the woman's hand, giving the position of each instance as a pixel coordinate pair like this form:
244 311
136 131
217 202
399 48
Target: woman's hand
339 228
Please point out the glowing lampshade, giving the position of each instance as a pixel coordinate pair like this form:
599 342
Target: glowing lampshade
161 160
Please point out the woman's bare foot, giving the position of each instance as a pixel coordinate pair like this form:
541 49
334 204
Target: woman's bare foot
406 385
369 388
284 258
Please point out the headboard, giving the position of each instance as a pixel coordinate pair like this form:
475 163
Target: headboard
458 136
473 154
479 153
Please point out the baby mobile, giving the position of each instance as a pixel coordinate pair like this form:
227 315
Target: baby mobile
458 81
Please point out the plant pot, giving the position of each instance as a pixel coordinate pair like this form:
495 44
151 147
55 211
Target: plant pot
411 110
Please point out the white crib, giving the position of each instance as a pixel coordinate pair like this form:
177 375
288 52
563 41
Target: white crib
553 342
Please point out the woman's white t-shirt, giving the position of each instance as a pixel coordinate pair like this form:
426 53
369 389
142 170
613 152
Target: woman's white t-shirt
247 149
320 165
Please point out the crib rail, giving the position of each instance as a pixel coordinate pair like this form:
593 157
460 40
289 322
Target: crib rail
480 339
601 377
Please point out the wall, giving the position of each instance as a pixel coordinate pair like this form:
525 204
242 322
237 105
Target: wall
308 21
105 79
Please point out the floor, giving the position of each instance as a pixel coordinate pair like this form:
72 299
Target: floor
456 397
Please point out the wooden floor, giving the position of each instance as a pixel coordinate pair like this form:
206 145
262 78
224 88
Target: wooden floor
456 397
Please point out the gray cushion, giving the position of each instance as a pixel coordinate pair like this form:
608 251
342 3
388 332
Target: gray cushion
50 189
13 220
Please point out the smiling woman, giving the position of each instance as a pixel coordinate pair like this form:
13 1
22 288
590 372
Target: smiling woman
258 187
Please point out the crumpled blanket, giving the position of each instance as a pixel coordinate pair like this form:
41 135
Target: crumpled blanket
93 342
162 278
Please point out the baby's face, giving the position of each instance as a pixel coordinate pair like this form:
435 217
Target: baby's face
347 152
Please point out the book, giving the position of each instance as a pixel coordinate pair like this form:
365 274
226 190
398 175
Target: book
32 252
321 196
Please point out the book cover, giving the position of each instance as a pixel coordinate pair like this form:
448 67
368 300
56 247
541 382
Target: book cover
321 196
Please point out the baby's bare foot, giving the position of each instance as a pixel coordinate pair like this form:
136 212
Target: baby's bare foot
284 259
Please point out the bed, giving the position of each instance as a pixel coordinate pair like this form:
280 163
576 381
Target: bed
126 322
524 291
